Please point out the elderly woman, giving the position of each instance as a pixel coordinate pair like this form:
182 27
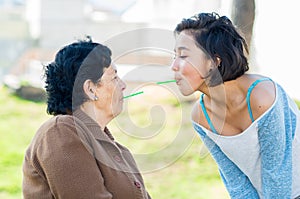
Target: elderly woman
73 154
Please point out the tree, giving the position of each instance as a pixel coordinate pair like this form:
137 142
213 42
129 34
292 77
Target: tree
243 15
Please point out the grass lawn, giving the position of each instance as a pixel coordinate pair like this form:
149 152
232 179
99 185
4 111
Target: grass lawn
19 120
157 130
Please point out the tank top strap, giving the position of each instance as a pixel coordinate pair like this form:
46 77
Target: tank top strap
206 114
252 86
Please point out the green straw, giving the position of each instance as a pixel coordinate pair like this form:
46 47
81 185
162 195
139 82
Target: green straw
141 92
134 94
165 82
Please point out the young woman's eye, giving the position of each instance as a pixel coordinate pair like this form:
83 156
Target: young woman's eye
180 56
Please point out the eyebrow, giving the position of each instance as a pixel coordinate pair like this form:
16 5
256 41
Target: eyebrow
181 48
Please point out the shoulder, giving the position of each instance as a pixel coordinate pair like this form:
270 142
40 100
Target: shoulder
262 96
56 127
58 122
54 132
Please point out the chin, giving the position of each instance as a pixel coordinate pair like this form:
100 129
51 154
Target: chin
117 112
186 92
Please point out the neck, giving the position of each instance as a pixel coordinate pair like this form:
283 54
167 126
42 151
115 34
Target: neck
224 95
216 94
100 116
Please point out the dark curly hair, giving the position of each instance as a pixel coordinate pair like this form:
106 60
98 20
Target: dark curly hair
73 65
218 38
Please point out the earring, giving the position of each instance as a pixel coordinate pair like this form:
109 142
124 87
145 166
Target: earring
95 98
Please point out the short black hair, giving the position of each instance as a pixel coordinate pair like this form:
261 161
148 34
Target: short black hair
65 76
218 37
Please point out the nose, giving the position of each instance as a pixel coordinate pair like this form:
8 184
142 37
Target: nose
174 65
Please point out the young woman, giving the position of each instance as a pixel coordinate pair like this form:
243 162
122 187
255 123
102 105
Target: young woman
248 122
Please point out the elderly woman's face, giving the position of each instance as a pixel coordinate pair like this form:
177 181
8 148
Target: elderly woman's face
110 92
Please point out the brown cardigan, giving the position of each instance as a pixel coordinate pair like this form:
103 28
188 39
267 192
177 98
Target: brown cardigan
71 158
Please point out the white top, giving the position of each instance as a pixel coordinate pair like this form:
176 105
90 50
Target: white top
244 149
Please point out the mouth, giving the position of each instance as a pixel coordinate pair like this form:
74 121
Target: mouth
121 97
177 80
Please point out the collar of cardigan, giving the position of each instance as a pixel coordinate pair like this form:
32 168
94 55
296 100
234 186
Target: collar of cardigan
93 126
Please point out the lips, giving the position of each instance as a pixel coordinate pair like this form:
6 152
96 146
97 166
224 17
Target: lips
178 79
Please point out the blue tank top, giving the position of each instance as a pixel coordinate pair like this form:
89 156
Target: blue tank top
247 100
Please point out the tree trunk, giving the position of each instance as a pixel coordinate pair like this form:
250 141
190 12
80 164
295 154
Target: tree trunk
243 15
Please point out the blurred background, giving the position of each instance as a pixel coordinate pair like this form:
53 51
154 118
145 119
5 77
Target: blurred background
139 32
33 30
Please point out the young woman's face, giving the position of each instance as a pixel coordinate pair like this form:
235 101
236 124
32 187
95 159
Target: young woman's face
110 92
191 65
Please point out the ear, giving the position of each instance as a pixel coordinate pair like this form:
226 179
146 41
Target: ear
218 61
89 89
